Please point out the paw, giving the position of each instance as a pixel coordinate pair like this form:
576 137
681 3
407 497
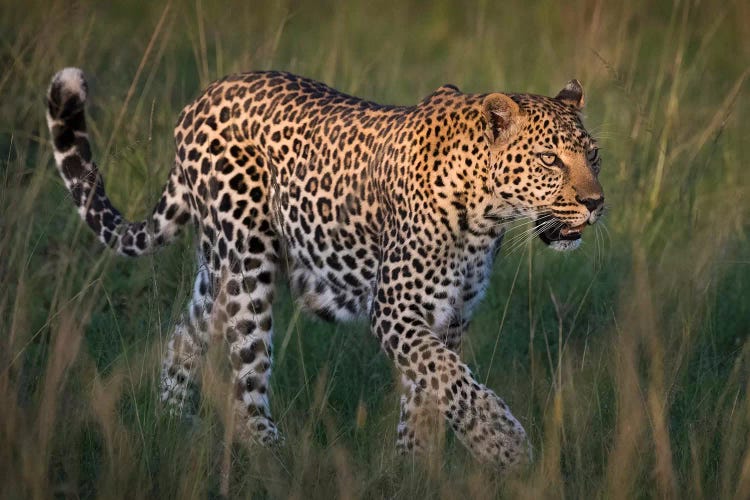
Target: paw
258 430
179 404
421 428
407 442
492 433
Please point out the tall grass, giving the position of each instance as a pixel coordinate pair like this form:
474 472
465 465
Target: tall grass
626 361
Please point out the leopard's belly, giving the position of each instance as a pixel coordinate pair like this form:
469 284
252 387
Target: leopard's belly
331 252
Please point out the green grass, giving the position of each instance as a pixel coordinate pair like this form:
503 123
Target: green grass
626 361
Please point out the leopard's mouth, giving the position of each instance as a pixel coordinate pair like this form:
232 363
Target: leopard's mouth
560 232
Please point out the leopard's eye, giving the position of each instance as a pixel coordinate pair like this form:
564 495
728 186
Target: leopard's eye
549 159
593 155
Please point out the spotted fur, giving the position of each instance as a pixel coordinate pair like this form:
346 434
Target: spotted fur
394 213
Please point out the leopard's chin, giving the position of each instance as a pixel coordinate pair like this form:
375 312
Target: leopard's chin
565 245
561 237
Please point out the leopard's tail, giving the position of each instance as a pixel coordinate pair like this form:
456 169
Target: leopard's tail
67 123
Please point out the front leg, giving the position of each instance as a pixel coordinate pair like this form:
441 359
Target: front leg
420 427
480 419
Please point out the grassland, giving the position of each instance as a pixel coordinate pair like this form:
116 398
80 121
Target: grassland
626 361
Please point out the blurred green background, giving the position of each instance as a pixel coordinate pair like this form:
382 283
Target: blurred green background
626 361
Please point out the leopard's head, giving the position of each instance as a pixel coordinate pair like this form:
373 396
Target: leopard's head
544 164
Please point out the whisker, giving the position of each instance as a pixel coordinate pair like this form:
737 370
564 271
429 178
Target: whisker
521 220
545 224
521 243
599 259
529 235
606 231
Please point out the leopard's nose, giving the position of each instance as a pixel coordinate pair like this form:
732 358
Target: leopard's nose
593 204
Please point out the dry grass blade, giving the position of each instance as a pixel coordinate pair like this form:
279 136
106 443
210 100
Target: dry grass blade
134 81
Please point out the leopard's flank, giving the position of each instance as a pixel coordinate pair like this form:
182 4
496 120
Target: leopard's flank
393 213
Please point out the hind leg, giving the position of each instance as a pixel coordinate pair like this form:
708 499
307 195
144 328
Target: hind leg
243 313
185 349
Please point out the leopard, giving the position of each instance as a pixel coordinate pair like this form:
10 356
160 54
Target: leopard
393 214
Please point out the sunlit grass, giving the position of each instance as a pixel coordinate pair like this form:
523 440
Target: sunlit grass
627 361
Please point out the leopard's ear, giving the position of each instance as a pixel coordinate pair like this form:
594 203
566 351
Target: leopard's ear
572 94
502 115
